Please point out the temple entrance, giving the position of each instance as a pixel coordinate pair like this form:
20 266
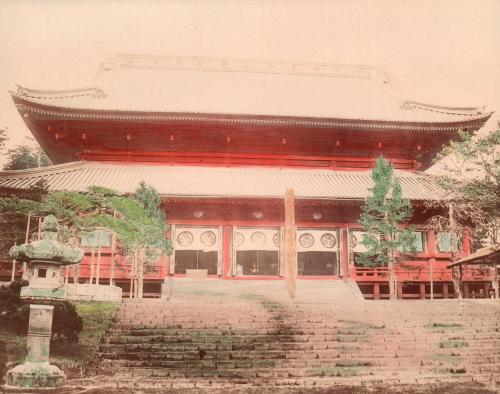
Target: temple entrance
197 249
317 252
256 251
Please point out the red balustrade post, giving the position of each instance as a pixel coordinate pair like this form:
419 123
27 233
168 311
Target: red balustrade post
445 290
400 291
376 291
431 276
422 291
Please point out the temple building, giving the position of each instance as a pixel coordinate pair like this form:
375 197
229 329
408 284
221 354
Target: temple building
221 140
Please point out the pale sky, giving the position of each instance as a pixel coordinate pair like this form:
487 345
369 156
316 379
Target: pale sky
444 52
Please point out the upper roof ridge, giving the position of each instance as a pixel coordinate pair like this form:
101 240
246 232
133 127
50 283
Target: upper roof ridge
246 65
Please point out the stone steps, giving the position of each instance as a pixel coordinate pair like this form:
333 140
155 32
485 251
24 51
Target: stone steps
249 373
209 384
261 341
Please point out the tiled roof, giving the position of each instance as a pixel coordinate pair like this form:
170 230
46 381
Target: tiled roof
197 181
173 85
486 255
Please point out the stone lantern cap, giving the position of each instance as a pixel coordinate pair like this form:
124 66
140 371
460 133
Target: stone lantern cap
48 249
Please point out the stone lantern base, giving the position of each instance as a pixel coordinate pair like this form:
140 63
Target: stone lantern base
37 371
35 375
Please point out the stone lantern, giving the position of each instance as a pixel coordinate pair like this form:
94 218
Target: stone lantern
45 259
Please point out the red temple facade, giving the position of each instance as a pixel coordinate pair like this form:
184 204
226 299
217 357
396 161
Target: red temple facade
222 139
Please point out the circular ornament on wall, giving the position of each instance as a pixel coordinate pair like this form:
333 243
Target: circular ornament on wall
208 238
306 240
258 238
185 238
277 240
328 240
354 240
239 239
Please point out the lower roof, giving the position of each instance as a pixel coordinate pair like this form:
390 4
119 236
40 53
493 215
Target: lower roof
487 255
224 182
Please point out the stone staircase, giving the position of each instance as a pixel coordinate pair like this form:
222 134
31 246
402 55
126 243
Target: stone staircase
203 337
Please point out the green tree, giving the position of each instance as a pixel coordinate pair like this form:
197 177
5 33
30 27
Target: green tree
3 137
14 214
23 157
137 221
382 216
154 244
470 180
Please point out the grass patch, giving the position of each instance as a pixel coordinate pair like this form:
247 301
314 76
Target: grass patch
452 358
250 296
333 371
271 305
452 344
444 325
352 338
354 363
351 348
97 317
207 293
449 370
12 349
359 325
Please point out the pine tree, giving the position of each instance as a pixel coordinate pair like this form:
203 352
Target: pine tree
382 216
23 157
138 222
3 137
470 181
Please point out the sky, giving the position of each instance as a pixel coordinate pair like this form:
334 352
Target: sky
444 52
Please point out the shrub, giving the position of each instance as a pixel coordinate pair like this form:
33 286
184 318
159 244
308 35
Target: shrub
66 324
14 315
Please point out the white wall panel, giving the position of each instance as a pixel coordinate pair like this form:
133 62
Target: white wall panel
317 240
197 238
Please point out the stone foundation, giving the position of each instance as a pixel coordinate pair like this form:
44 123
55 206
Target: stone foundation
35 374
87 292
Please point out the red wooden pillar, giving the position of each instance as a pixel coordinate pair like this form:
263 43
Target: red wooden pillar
345 253
165 266
431 239
226 252
445 290
466 290
422 291
487 286
400 291
376 291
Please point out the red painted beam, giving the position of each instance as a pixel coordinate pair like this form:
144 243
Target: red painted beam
241 159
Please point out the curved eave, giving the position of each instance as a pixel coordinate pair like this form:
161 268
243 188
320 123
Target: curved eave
26 106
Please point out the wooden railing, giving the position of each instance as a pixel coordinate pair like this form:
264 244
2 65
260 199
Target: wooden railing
418 273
